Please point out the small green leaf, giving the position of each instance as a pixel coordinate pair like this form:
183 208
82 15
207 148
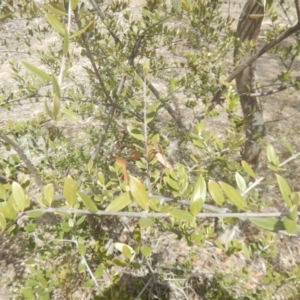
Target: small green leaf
290 226
70 115
81 249
49 193
199 193
119 262
2 222
234 196
81 31
216 192
184 6
119 203
272 156
138 192
55 11
138 79
146 68
56 24
137 234
247 168
56 106
37 72
272 224
2 192
66 44
240 181
127 252
74 4
88 284
295 197
285 190
294 214
246 251
146 250
27 293
181 214
135 133
47 110
55 86
99 271
19 196
7 210
196 206
146 222
70 191
88 202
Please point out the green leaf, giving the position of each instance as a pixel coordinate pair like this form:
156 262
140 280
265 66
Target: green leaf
181 214
196 206
55 11
55 86
290 226
294 214
216 192
56 24
119 203
119 262
81 31
247 168
240 181
146 250
81 249
49 193
27 293
99 271
2 222
88 284
19 196
234 196
285 190
74 4
246 251
56 106
272 156
88 202
66 44
47 110
127 251
172 183
135 133
137 234
295 197
7 210
37 72
2 192
70 191
138 79
272 224
199 193
70 115
138 192
146 222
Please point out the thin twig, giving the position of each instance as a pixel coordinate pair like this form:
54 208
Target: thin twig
258 181
157 215
291 30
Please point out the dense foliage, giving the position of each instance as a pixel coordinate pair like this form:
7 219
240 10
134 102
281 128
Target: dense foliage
121 165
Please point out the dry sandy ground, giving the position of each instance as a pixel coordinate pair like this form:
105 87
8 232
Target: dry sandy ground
283 107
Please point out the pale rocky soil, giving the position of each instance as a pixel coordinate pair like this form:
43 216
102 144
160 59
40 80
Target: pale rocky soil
284 107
